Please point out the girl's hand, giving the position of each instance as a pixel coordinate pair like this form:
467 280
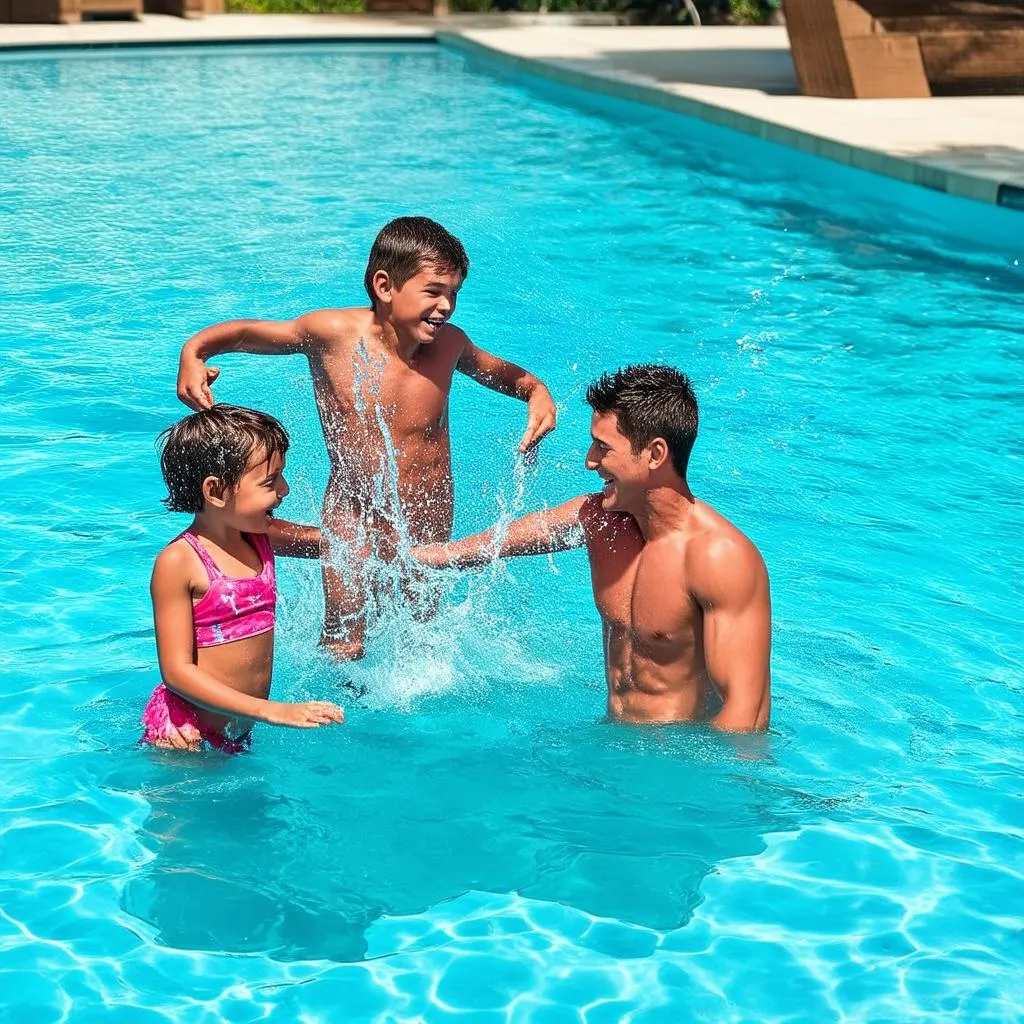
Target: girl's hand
434 555
308 715
182 737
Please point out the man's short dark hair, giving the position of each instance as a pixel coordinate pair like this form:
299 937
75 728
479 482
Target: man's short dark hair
650 401
406 245
219 442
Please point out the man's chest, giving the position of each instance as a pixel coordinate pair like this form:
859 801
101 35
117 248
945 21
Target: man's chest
644 593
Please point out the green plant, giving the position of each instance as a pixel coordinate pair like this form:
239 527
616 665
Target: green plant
295 6
751 12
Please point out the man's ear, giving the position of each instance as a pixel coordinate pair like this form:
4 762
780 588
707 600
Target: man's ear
382 285
215 491
658 456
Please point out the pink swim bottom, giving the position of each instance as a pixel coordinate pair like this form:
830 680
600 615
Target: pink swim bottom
166 713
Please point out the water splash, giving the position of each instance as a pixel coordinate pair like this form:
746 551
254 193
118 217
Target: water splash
428 631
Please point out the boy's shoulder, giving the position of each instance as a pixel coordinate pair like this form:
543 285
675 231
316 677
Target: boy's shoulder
331 326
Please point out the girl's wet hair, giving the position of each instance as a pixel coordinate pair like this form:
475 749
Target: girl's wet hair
406 245
650 401
218 442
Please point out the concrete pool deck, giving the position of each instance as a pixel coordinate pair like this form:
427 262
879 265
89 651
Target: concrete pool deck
741 78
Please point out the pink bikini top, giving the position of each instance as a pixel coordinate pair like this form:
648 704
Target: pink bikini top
234 609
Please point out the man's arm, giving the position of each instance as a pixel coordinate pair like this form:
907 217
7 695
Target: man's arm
729 579
261 337
293 540
502 376
539 533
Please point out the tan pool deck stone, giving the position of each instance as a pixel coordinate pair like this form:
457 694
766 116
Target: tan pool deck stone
741 78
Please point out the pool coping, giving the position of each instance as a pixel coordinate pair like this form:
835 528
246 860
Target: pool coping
989 185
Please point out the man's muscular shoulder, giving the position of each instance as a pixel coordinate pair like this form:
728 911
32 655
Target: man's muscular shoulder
723 565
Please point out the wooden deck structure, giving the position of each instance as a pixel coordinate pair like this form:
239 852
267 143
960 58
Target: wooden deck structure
64 12
860 49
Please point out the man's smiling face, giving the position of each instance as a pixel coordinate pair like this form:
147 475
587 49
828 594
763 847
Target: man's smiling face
625 473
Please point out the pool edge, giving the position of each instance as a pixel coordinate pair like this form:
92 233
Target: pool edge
989 190
1004 193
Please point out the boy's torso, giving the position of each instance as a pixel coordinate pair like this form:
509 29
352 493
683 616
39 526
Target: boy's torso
385 419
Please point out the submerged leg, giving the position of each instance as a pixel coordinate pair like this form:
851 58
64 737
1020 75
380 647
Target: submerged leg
345 595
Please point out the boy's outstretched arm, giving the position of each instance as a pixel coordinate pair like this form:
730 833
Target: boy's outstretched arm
262 337
539 533
500 375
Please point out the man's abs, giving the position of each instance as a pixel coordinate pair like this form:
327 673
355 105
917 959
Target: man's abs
670 688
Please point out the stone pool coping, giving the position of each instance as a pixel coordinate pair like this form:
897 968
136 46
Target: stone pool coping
740 78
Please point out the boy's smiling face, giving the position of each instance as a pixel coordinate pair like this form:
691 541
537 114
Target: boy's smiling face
423 304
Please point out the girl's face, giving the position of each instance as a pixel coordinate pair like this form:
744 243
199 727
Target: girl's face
250 506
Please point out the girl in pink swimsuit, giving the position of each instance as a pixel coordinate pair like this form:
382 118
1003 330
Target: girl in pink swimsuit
214 590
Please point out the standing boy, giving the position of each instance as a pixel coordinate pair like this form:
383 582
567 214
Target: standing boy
381 377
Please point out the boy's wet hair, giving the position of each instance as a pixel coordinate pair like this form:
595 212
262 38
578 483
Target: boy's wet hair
406 245
218 442
650 401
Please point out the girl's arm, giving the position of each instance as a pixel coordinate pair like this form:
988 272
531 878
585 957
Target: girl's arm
172 615
293 540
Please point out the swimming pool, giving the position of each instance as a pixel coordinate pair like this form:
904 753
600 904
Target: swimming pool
475 844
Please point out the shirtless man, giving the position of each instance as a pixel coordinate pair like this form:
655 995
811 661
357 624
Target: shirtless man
381 377
683 595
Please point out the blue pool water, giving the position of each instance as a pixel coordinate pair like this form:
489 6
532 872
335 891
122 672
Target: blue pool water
475 844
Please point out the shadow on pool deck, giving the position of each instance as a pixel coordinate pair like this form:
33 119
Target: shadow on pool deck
766 70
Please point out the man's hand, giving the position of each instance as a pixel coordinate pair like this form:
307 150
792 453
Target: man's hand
308 715
540 418
194 380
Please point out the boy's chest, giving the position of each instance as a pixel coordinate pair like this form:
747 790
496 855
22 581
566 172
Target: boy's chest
410 396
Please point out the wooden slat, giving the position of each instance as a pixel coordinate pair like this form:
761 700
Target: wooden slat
112 6
988 9
951 23
883 66
817 49
46 11
975 61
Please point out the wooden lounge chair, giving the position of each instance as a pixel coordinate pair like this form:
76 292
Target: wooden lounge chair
184 8
66 11
880 48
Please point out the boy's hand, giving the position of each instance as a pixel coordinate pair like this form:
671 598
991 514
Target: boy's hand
540 418
308 715
194 380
